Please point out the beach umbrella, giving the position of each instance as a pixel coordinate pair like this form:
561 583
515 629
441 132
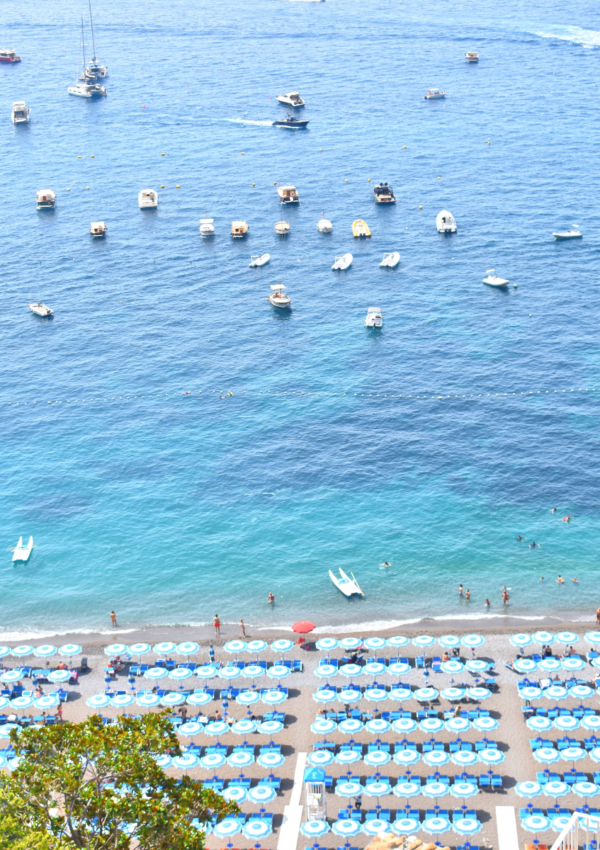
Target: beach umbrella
278 671
229 672
98 701
346 828
350 726
566 723
270 727
404 726
546 755
423 640
227 827
521 639
22 651
147 700
465 758
436 825
4 702
314 828
256 828
47 701
594 754
270 760
478 693
555 789
378 788
348 757
591 722
406 826
567 637
116 649
256 646
374 668
46 650
179 674
464 789
377 758
324 695
581 692
375 642
235 794
457 725
59 675
398 668
350 670
207 671
261 794
530 692
282 645
538 724
436 758
535 823
21 702
326 671
199 698
216 728
346 788
213 761
274 697
559 822
528 789
425 694
375 826
400 694
431 725
247 698
350 643
327 644
407 789
122 700
187 648
466 826
138 649
573 753
154 673
172 698
585 789
485 724
524 665
321 758
572 664
377 726
7 728
12 676
398 640
591 637
550 665
68 650
322 726
244 727
453 694
185 762
449 641
472 641
406 758
492 757
4 651
476 665
375 694
240 759
452 667
165 647
543 638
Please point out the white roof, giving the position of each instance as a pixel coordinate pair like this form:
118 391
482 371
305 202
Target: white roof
277 286
207 220
374 310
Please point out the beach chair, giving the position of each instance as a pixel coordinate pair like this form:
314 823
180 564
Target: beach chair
344 814
485 781
420 661
436 664
496 782
356 814
297 666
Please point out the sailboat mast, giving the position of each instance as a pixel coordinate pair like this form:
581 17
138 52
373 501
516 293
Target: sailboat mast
82 45
92 28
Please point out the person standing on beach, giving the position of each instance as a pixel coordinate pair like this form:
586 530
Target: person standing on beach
243 627
113 619
217 625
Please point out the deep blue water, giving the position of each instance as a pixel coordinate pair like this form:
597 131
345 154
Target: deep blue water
172 507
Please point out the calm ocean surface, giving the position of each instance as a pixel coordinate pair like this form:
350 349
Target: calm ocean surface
174 507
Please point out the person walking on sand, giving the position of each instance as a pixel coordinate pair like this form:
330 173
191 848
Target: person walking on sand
217 625
243 627
113 619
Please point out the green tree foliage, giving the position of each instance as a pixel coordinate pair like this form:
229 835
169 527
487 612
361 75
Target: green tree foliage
98 787
14 834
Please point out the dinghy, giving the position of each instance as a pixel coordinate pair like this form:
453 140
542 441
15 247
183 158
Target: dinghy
259 260
445 222
374 318
343 262
360 228
492 279
20 552
390 260
348 586
568 234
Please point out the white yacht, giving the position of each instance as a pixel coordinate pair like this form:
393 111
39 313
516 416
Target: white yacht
472 56
94 69
148 199
492 279
207 228
85 89
45 199
292 98
434 94
384 194
288 194
445 222
259 260
324 225
390 260
278 298
374 318
98 229
20 112
20 552
343 262
239 229
568 234
41 310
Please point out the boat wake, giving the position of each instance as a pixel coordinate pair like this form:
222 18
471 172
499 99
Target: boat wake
247 121
576 35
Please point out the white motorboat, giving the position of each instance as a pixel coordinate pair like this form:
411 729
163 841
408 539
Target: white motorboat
374 318
434 94
568 234
207 228
288 194
282 228
20 552
292 98
239 229
20 112
390 260
445 222
384 194
9 56
278 297
342 263
472 56
492 279
98 229
324 225
148 199
348 586
259 260
45 199
41 310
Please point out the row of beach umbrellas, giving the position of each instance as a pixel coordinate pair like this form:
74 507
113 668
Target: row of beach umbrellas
407 758
253 829
21 703
556 789
213 761
555 692
404 726
68 650
550 755
550 664
379 693
566 723
209 671
348 828
398 668
543 638
398 641
176 698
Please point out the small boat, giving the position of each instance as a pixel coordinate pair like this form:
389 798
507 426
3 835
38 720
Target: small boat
282 228
291 123
288 194
9 56
292 98
45 199
348 586
472 56
41 310
342 263
239 229
492 279
445 222
207 228
374 318
324 225
434 94
384 194
278 298
20 552
360 228
20 112
390 260
568 234
87 90
259 260
98 229
148 199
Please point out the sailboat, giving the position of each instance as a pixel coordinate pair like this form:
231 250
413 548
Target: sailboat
85 89
94 69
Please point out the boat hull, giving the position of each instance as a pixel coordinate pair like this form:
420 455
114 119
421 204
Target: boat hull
280 306
560 237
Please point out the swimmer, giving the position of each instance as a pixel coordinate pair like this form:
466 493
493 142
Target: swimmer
460 590
386 564
553 510
487 603
468 595
270 599
542 578
560 580
519 538
575 581
533 544
566 518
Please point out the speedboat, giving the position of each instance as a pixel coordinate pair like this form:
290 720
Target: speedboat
148 199
9 56
278 298
239 229
348 586
472 56
291 123
288 194
20 552
98 229
41 310
20 112
324 225
374 318
434 94
282 228
292 98
342 263
445 222
384 194
259 260
207 228
390 260
45 199
360 228
492 279
568 234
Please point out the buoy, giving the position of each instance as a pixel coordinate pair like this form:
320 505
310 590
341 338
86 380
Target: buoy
346 181
92 156
87 187
489 143
177 186
162 154
120 302
78 157
320 149
162 186
242 154
420 208
274 182
68 190
439 178
403 147
143 106
369 180
514 286
254 184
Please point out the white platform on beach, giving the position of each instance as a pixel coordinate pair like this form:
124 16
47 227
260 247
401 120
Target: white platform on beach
292 814
506 824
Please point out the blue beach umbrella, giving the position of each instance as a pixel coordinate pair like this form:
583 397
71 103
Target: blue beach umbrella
377 758
147 700
346 828
320 758
240 759
400 694
476 665
179 674
423 641
406 826
491 757
282 645
377 726
374 668
22 651
191 729
431 725
453 694
322 726
47 701
4 651
199 698
229 673
463 790
172 698
257 829
452 667
350 670
121 700
350 726
566 723
21 702
466 826
399 640
407 758
46 650
378 788
212 761
555 789
567 637
325 695
346 788
270 727
98 701
425 694
269 761
485 724
528 789
325 671
7 728
154 673
478 693
247 698
436 825
314 828
535 823
68 650
234 794
12 676
457 725
407 789
594 754
187 648
185 762
581 692
591 722
138 649
165 647
227 827
348 757
375 826
216 728
274 697
207 671
375 643
404 726
530 692
543 638
449 641
573 754
585 789
559 822
261 794
350 643
546 755
472 641
327 644
591 637
59 675
398 668
521 639
465 758
350 693
256 646
278 671
116 649
436 758
572 664
375 694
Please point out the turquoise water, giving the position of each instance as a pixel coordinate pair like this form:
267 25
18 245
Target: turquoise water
173 507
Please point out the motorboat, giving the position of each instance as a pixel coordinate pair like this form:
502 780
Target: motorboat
259 260
98 229
282 228
207 228
20 552
148 199
288 194
348 586
445 222
45 199
360 228
239 229
88 90
568 234
292 98
472 56
20 112
390 260
324 225
9 56
342 263
278 297
41 310
374 318
434 94
492 279
384 194
291 123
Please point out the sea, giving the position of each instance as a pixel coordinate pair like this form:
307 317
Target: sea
177 447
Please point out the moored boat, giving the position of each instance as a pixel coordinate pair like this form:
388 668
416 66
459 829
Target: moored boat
360 228
282 228
291 123
374 318
445 222
239 229
292 98
574 233
259 260
148 199
348 586
45 199
384 194
342 263
9 56
324 225
434 94
98 229
492 279
87 88
390 260
288 194
472 56
207 228
41 310
20 552
20 112
278 297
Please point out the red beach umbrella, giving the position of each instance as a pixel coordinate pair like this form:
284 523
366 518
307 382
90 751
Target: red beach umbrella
303 626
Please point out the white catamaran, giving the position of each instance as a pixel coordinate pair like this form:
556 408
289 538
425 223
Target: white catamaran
348 586
20 552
